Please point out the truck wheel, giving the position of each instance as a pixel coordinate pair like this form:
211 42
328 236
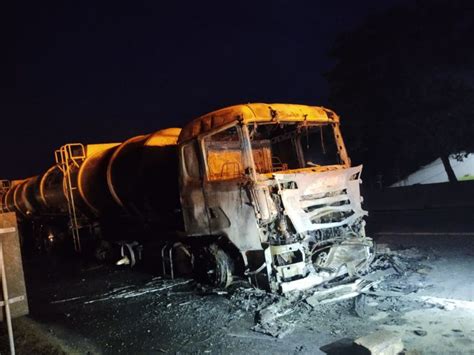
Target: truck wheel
215 266
224 267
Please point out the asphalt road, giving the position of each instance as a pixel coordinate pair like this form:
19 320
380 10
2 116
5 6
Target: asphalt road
87 307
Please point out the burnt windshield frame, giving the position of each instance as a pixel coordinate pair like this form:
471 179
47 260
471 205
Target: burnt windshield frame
319 146
273 146
295 133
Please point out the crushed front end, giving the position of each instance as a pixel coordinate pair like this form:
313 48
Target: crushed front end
308 205
312 228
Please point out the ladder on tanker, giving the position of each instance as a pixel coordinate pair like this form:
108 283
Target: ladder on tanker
4 185
67 157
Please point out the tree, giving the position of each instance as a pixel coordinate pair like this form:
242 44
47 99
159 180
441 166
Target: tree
404 81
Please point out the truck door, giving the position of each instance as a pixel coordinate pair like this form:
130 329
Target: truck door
196 220
230 210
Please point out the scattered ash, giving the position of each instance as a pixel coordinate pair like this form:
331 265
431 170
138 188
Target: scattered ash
400 273
383 294
393 276
155 285
252 299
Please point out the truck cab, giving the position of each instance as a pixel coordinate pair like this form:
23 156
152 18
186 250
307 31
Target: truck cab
268 193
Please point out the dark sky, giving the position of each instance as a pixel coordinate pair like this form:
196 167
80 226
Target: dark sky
93 72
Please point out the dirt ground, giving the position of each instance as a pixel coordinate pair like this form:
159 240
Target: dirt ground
426 297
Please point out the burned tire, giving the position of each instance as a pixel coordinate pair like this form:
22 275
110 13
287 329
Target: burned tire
224 268
214 266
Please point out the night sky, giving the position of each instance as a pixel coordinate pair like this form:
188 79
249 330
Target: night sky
91 73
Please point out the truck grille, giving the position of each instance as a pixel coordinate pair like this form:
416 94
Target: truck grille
321 200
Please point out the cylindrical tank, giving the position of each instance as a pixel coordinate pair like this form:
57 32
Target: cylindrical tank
51 192
92 182
26 197
122 172
21 203
142 174
32 195
138 177
38 195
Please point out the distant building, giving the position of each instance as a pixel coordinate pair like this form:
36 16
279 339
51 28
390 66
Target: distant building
435 173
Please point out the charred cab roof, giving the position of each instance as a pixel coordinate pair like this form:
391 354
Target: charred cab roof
258 112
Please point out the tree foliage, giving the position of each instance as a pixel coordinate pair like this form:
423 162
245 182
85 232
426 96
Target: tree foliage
404 84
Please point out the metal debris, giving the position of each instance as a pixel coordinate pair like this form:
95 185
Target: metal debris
338 293
381 342
383 290
420 332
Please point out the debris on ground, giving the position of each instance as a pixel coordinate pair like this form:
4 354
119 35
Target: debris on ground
420 332
157 284
135 311
267 319
338 293
381 342
275 329
378 294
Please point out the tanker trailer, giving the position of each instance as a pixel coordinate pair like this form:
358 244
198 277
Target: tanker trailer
140 197
114 191
268 193
41 209
142 180
122 190
37 196
116 180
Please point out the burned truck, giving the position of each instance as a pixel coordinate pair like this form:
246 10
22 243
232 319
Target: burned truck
272 190
264 192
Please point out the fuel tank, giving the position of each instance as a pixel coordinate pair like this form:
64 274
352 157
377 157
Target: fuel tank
94 197
37 195
136 178
51 192
142 174
27 198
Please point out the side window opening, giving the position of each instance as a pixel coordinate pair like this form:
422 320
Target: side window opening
273 147
224 155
